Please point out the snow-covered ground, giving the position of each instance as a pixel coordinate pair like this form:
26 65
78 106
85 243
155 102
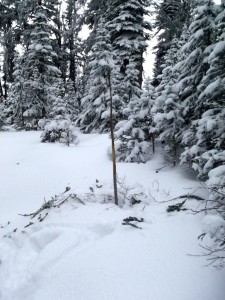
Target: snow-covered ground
84 252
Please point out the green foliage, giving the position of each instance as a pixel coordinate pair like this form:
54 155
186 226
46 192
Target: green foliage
176 207
132 221
59 130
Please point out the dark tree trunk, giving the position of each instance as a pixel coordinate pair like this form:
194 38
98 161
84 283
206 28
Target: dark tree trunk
1 90
140 79
5 87
153 143
113 145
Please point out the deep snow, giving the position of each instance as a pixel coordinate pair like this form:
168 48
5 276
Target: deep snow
83 251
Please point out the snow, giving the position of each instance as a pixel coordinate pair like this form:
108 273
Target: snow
217 175
83 251
218 50
170 115
212 87
38 47
211 223
97 101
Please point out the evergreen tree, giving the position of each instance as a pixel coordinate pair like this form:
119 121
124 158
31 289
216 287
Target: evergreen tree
72 99
209 149
133 143
39 74
167 109
128 30
59 126
14 106
93 14
194 69
8 15
147 103
208 153
127 35
95 105
171 16
72 24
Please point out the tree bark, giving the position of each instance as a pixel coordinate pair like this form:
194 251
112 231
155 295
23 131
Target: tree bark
1 90
153 143
113 146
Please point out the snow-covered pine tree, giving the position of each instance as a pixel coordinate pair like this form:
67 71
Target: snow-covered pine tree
209 160
126 25
25 13
59 128
167 109
169 133
13 107
92 17
95 114
74 58
39 73
181 55
72 26
128 29
194 68
171 16
133 143
94 12
147 102
72 99
209 128
52 10
8 42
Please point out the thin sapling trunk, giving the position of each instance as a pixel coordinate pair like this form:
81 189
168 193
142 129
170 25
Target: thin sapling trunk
113 144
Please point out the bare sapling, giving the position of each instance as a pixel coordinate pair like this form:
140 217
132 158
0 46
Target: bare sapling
113 143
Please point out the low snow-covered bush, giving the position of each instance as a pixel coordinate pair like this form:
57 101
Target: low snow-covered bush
131 145
216 184
58 130
214 222
42 123
214 227
132 151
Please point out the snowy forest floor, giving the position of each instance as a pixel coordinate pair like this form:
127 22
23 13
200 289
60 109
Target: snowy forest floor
82 251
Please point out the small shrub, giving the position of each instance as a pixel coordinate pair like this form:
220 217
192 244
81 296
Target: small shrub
59 130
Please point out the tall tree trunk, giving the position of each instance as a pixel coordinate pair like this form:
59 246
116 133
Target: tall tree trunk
140 69
5 87
1 90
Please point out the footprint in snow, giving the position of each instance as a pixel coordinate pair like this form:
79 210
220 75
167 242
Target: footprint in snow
30 255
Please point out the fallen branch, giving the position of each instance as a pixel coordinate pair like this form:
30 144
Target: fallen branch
128 221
